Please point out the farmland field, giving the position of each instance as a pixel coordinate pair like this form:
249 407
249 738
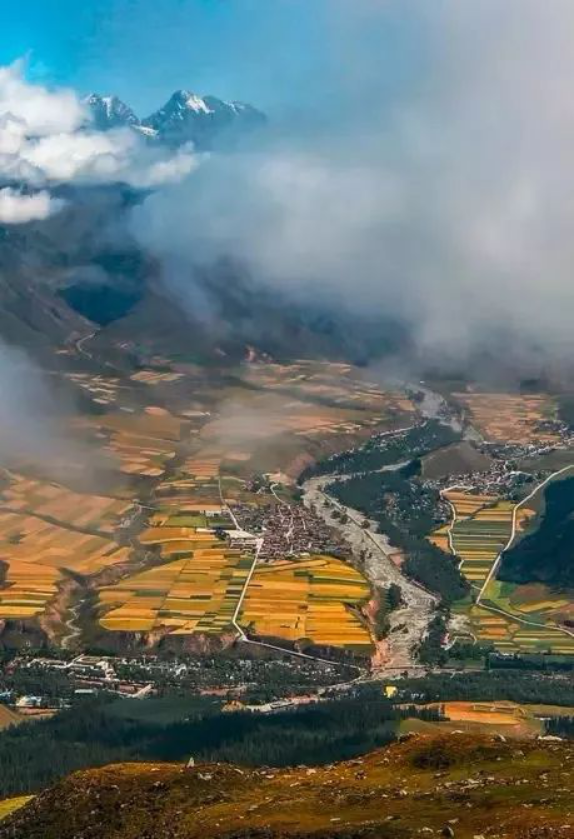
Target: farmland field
506 418
480 529
508 718
180 457
94 512
197 593
306 599
142 443
10 805
45 530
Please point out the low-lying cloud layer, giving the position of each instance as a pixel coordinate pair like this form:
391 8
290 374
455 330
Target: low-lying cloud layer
18 208
33 426
443 199
46 140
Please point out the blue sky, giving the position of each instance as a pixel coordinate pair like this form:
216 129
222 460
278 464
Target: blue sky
144 49
270 52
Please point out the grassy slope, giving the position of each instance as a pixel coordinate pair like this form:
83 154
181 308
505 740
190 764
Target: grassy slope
8 717
477 784
10 805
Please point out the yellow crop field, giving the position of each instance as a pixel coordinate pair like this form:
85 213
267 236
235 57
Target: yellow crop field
65 506
203 466
10 805
142 443
308 599
513 634
155 377
35 549
198 593
337 383
103 389
479 531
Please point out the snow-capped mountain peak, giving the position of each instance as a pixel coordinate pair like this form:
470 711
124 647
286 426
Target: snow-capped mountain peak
186 117
193 102
109 112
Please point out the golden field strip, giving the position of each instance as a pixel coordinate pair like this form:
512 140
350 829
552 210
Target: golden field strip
199 590
197 593
142 443
510 418
72 508
198 586
288 415
103 389
307 599
195 485
35 552
155 377
480 531
512 635
337 383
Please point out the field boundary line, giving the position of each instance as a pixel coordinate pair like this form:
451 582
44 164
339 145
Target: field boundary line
496 563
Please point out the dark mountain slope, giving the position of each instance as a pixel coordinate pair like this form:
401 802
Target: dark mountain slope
547 554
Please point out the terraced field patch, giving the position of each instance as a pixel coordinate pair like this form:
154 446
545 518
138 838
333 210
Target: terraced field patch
198 593
511 634
479 531
308 599
144 443
36 553
53 501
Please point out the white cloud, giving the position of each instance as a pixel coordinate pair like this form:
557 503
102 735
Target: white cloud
45 139
448 203
18 208
43 111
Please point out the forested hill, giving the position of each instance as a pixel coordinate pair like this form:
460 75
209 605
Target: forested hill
546 555
456 786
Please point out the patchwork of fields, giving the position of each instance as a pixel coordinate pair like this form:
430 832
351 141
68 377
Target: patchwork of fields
195 446
479 531
308 599
42 535
97 512
198 593
141 443
515 632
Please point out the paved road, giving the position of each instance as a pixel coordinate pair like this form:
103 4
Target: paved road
524 501
496 564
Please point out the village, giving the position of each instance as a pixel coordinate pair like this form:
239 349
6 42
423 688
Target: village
289 530
39 686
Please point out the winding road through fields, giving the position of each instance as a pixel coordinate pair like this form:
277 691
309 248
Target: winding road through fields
496 564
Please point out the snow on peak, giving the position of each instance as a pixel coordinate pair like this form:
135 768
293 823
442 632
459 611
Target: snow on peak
196 103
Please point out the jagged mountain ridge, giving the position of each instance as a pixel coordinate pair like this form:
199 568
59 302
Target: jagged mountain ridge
185 117
110 112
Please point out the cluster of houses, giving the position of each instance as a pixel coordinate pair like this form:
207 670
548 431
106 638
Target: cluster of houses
288 530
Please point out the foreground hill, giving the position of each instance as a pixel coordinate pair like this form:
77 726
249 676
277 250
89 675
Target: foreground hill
458 785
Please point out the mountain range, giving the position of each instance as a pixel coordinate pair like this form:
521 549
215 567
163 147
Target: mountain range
185 117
